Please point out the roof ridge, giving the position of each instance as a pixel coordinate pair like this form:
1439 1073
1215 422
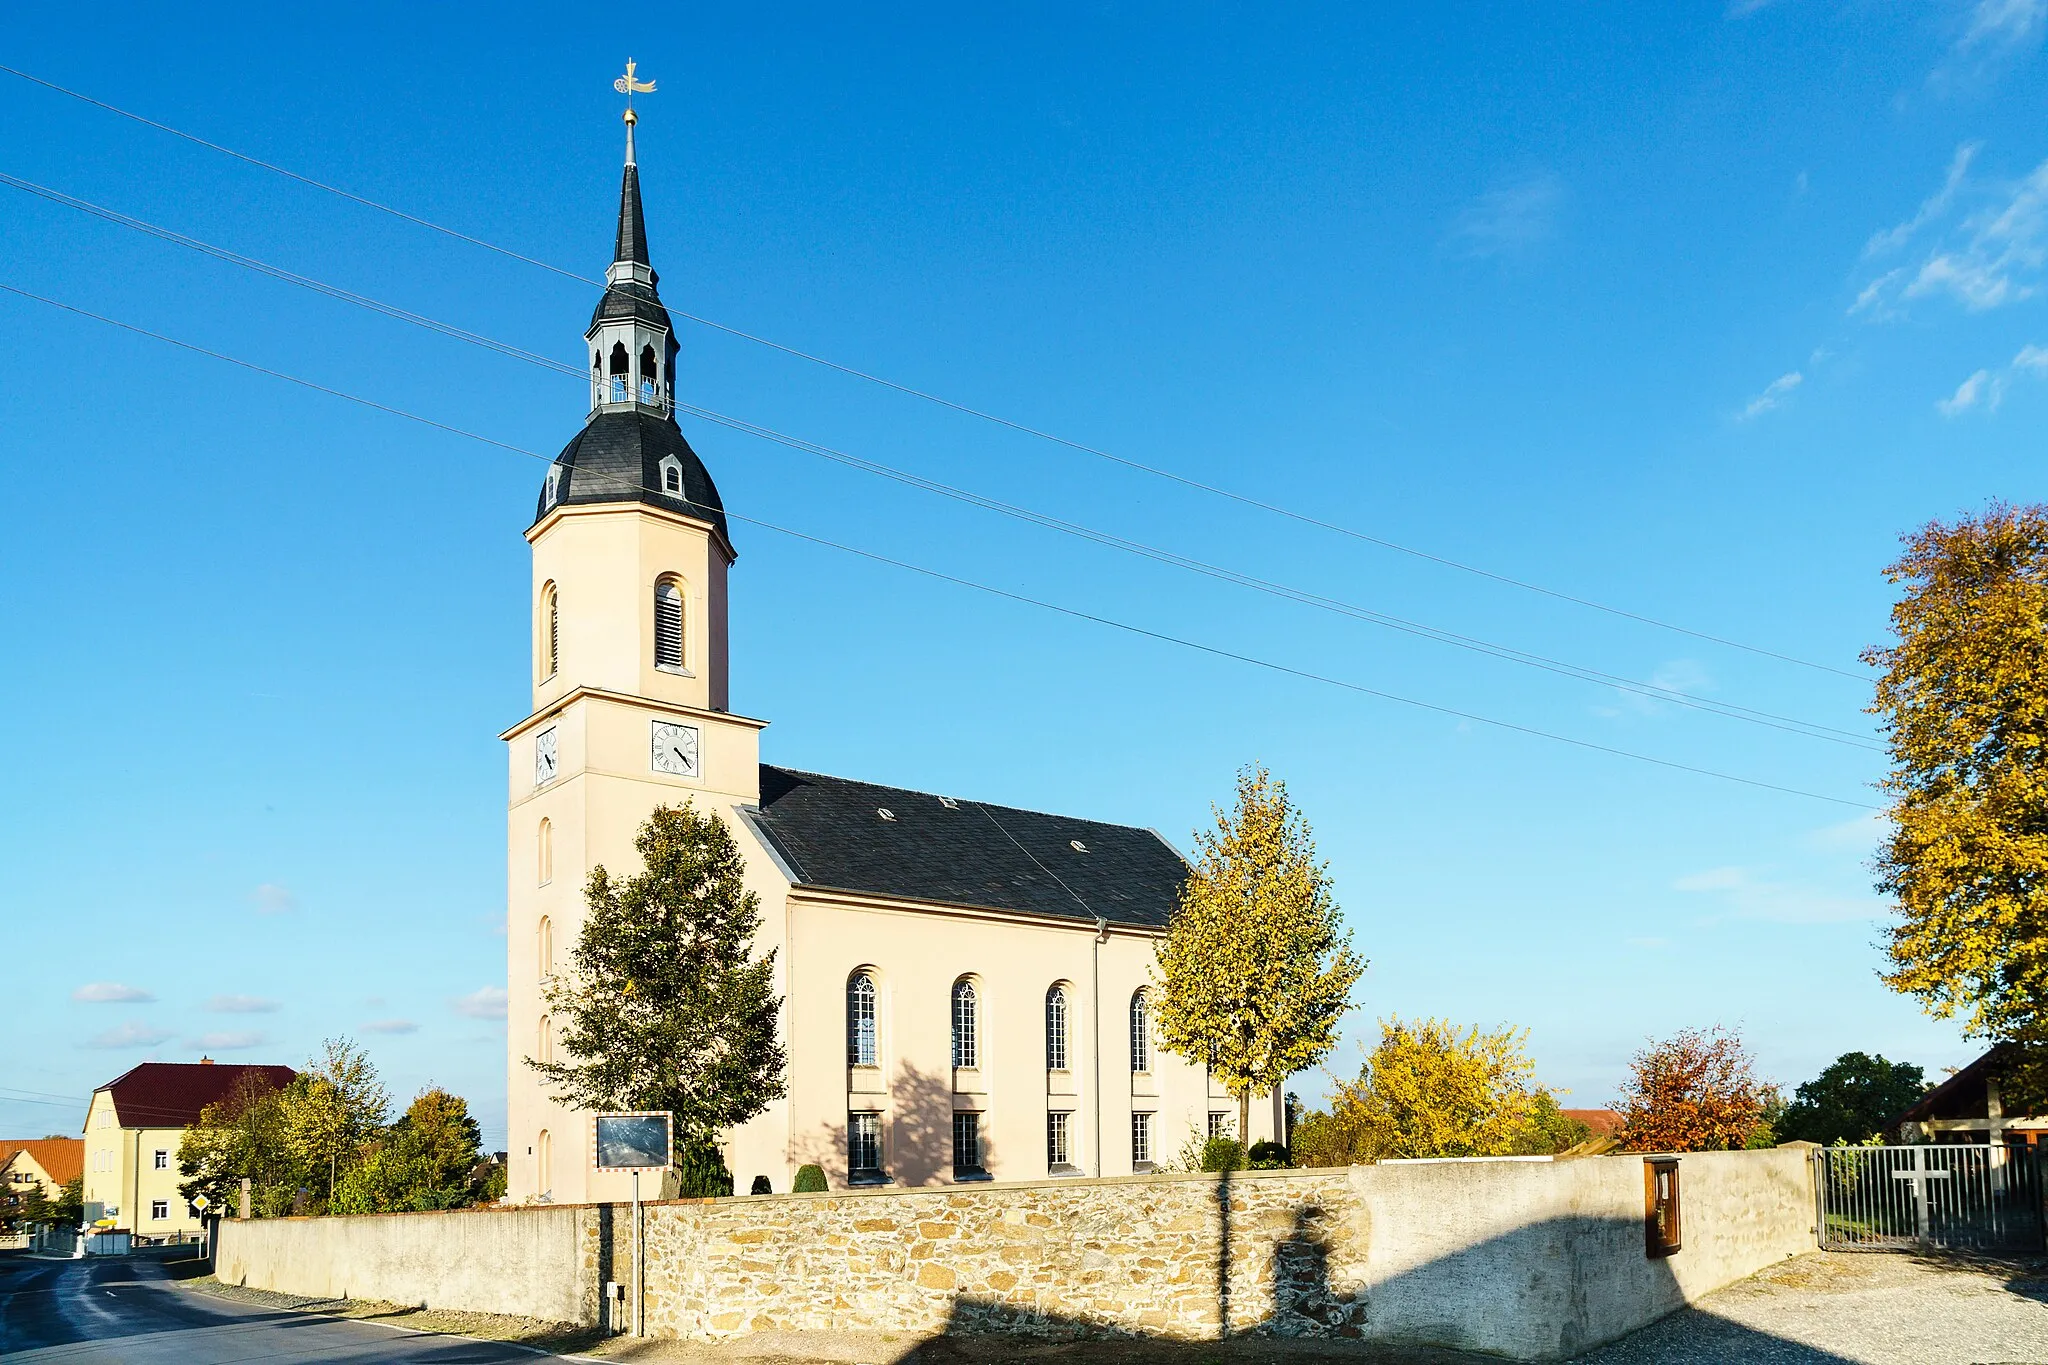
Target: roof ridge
974 800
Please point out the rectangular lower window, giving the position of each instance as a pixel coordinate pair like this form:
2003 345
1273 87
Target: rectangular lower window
967 1143
162 1160
864 1146
1058 1152
159 1210
1222 1123
1141 1139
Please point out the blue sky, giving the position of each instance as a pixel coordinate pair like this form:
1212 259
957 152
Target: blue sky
1687 310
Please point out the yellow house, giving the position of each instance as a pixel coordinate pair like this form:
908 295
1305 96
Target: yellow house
964 984
132 1131
47 1164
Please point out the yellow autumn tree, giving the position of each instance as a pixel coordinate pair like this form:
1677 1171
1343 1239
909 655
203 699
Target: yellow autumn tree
1433 1089
1256 968
1964 699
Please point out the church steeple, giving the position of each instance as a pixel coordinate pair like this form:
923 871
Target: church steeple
632 240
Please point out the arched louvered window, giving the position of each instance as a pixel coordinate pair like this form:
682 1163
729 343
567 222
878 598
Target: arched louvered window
1056 1029
668 625
544 946
860 1020
550 631
966 1041
1141 1032
671 479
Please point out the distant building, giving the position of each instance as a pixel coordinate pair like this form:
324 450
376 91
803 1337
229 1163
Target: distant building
47 1164
1599 1123
132 1132
1967 1107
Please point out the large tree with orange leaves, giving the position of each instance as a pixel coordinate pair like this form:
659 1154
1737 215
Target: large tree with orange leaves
1964 699
1696 1091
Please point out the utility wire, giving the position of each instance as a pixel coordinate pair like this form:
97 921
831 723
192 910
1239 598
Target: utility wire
1653 691
1074 613
1021 428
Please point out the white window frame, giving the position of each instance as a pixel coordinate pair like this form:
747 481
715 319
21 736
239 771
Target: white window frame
1057 1017
160 1160
864 1141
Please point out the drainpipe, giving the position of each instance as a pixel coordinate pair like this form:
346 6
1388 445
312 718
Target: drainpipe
1095 973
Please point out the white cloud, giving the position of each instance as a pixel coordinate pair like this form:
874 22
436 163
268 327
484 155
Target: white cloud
401 1025
1858 834
1992 32
1934 206
487 1003
1511 218
1978 388
111 993
1742 9
272 899
1682 676
2004 250
1774 393
1748 896
130 1034
1987 388
228 1040
240 1004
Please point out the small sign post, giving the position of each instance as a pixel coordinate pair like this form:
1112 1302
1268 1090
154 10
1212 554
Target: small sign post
636 1143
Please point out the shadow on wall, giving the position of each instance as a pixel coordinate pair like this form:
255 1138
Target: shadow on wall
917 1134
1471 1300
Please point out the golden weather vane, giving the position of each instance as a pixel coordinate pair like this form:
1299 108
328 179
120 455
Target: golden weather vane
628 86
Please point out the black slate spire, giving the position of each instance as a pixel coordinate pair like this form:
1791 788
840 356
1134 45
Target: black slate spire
632 241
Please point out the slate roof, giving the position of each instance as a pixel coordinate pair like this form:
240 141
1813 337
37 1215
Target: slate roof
62 1159
828 830
632 239
617 458
171 1094
1965 1095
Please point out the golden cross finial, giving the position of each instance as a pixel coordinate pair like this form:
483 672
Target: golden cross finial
628 86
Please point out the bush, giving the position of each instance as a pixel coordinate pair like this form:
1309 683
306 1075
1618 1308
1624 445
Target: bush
1222 1154
701 1174
810 1180
1270 1156
761 1186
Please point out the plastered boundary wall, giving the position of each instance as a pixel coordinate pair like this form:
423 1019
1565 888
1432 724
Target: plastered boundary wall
1531 1260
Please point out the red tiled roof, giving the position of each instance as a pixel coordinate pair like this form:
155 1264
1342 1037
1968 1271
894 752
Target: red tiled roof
171 1094
62 1159
1602 1122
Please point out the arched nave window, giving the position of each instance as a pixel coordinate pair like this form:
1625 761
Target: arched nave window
966 1040
1141 1032
1056 1029
860 1019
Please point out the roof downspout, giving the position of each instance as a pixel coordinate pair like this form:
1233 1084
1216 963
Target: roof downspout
1095 973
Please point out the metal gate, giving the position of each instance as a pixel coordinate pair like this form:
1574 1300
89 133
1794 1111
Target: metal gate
1961 1196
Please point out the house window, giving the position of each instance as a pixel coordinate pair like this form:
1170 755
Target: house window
1141 1142
668 625
546 946
550 631
1222 1123
966 1144
860 1020
1056 1029
546 842
965 1049
1058 1155
160 1160
159 1210
1141 1033
864 1146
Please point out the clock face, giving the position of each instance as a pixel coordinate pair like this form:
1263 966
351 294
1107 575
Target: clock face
544 756
675 749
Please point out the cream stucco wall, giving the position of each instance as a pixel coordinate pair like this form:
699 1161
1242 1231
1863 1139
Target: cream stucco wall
602 563
123 1177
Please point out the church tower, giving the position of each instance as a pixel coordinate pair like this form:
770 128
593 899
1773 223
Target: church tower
630 699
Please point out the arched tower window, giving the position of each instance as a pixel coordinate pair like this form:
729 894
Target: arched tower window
860 1019
1141 1032
550 631
545 853
544 1162
619 367
966 1027
650 375
1056 1029
544 1045
544 946
668 624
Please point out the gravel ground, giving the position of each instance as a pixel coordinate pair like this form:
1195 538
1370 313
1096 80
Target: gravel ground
1870 1309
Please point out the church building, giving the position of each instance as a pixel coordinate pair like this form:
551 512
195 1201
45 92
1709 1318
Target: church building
964 985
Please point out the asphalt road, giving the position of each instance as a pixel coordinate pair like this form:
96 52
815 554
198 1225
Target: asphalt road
128 1310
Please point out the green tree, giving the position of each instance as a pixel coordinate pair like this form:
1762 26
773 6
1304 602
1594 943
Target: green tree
69 1205
241 1136
1255 969
428 1159
331 1110
1547 1130
1854 1098
664 1007
1964 703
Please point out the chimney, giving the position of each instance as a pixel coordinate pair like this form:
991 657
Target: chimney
206 1061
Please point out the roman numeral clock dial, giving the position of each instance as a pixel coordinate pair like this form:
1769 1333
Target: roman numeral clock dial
675 749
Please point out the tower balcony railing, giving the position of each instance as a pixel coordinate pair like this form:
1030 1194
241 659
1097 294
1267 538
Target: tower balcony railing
619 390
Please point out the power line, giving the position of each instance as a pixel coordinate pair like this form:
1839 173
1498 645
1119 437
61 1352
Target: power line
1021 428
1728 710
1074 613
